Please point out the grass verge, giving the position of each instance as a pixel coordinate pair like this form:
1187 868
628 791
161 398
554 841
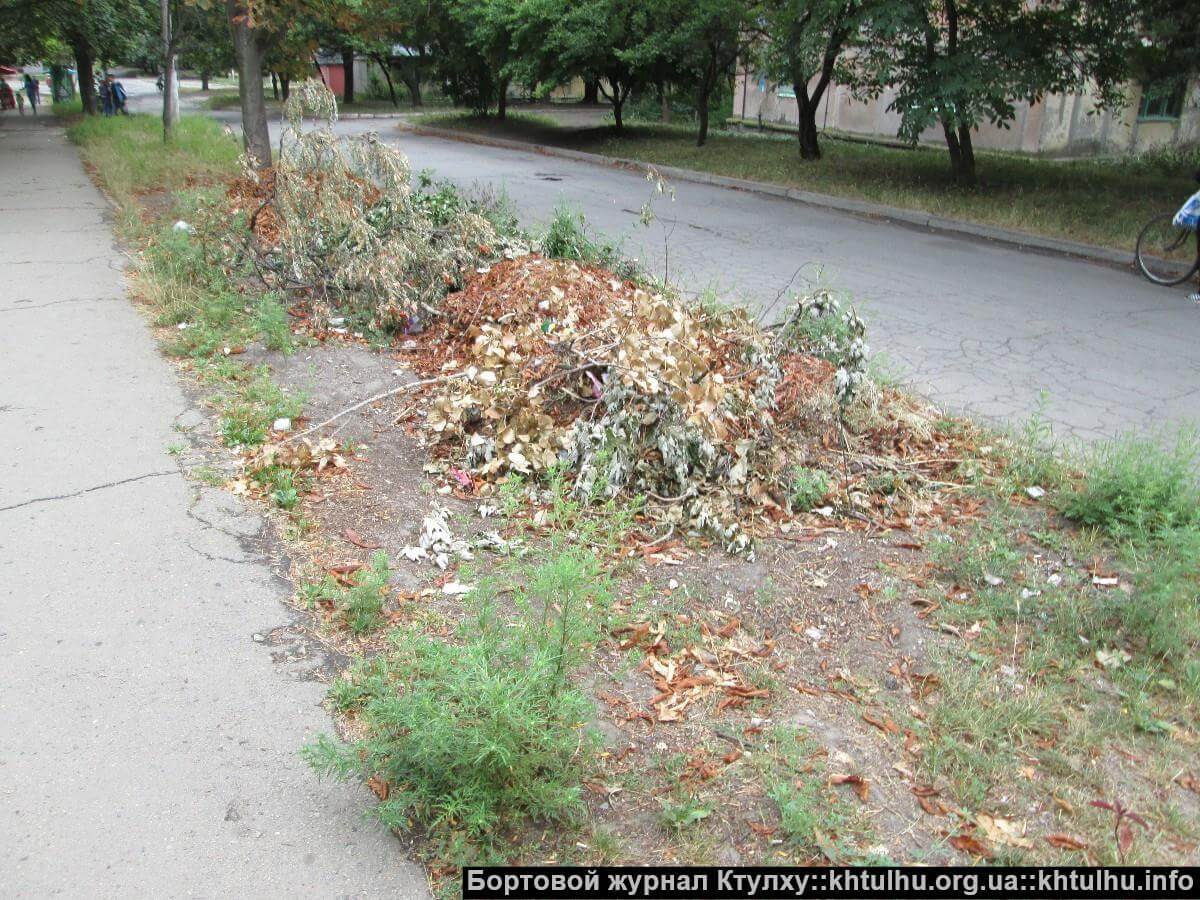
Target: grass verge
1102 202
204 300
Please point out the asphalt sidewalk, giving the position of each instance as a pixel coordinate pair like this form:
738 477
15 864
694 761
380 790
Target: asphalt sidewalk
148 741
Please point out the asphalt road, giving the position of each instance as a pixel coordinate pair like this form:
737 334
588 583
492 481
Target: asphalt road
148 742
975 326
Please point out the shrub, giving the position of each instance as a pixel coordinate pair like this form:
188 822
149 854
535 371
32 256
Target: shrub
479 735
567 237
1162 612
1139 487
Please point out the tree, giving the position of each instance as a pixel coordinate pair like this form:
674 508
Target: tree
170 53
474 40
800 44
959 63
701 41
597 40
93 30
206 47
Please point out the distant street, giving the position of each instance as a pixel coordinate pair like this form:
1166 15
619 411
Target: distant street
977 327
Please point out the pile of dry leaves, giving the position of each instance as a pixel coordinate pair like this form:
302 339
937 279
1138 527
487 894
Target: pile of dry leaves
548 363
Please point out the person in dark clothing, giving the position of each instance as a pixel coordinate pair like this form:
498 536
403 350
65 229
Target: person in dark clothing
106 97
116 92
33 92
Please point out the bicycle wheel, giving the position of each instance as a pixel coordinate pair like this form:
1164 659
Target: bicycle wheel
1166 253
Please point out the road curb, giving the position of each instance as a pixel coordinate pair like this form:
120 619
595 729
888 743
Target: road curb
912 217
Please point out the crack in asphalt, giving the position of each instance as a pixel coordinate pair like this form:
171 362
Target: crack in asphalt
89 490
59 302
212 557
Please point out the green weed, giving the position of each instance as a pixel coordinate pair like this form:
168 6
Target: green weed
810 816
251 406
1139 487
475 736
678 814
808 488
567 237
359 606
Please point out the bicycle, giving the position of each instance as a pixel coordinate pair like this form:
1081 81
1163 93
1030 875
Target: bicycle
1163 252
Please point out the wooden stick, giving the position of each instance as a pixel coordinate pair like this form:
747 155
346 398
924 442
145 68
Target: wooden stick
370 400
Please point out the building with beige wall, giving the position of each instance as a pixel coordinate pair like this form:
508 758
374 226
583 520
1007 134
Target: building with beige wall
1058 124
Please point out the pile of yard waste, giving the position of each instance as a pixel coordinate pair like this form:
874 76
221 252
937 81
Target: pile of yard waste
550 364
336 223
537 364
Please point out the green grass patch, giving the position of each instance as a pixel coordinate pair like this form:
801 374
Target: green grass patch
1102 202
130 157
813 819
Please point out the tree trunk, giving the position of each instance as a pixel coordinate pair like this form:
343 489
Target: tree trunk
285 87
955 148
591 92
412 80
967 155
84 68
702 112
256 137
664 103
204 81
502 100
618 108
386 66
806 127
348 76
274 86
170 115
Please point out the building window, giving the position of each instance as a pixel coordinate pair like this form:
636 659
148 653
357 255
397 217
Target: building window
1161 101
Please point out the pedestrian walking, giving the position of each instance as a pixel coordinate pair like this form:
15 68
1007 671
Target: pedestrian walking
20 103
117 91
33 92
106 97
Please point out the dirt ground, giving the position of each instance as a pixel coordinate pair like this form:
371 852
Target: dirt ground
831 632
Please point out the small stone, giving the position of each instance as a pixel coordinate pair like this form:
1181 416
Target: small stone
993 580
891 683
1035 492
814 633
259 638
282 424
